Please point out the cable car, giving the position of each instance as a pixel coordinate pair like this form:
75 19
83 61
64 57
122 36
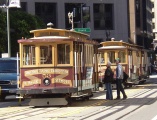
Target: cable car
57 65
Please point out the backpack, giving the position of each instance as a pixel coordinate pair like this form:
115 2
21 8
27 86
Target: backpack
125 76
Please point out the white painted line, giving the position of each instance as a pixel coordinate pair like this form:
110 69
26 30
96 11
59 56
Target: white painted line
153 76
155 118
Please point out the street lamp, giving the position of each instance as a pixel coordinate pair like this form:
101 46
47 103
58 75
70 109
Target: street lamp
13 3
71 20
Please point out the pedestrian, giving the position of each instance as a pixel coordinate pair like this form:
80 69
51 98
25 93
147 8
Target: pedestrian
119 80
108 78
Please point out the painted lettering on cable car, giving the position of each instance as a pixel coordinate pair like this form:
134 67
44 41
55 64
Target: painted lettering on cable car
44 71
31 82
37 75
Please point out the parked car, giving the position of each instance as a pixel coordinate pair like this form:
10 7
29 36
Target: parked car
8 76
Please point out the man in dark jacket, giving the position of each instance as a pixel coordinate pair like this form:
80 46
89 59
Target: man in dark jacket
108 77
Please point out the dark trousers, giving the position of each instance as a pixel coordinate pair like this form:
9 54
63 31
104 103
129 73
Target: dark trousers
109 91
120 88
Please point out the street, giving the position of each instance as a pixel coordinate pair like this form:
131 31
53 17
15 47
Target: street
141 104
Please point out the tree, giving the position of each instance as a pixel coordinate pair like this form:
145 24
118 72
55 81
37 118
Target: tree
20 25
3 32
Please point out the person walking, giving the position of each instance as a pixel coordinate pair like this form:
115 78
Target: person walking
108 77
119 80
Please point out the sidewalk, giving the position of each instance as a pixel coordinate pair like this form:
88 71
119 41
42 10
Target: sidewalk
154 75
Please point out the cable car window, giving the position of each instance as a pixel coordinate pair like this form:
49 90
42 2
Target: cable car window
63 52
92 53
89 54
134 55
111 56
121 55
29 55
46 54
101 59
86 56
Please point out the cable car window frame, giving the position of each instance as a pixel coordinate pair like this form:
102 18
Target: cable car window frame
24 62
124 56
101 58
89 53
70 54
112 60
47 54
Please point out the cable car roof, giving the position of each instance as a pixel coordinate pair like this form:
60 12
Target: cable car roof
112 47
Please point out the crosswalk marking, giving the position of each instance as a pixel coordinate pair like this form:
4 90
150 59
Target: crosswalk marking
155 118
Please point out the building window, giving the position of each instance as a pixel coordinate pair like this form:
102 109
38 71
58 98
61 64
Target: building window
24 6
86 14
103 16
76 9
46 11
81 14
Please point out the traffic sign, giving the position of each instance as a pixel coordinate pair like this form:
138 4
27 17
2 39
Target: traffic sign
87 30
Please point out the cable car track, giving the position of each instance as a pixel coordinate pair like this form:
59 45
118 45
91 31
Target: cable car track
76 108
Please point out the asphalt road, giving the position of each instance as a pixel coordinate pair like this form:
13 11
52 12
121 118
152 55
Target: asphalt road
141 104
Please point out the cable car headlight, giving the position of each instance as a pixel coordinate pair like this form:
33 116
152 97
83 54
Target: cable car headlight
46 81
13 82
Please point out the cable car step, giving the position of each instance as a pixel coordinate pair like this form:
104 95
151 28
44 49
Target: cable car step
19 96
81 95
129 83
48 102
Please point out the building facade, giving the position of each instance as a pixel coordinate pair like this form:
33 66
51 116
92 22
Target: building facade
127 20
106 18
154 20
140 22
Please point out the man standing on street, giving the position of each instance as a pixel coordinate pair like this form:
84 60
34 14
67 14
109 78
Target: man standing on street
119 79
108 78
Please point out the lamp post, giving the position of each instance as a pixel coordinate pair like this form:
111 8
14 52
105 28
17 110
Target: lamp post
13 3
70 16
8 32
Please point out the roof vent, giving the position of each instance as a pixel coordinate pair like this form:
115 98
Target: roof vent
49 25
112 39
